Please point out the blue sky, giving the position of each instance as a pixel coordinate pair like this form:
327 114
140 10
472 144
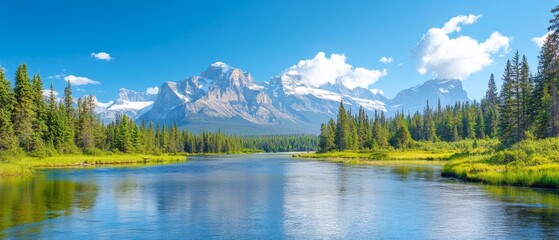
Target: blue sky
155 41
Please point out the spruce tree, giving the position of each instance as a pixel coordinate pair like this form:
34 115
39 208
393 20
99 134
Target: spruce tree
342 129
40 106
429 131
507 109
490 107
24 112
526 88
7 138
69 118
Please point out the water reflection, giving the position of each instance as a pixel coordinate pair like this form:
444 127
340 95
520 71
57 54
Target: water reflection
423 172
271 197
28 200
529 208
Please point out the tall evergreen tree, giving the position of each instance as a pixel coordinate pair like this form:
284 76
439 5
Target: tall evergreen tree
429 131
7 138
507 109
526 88
24 113
40 107
342 128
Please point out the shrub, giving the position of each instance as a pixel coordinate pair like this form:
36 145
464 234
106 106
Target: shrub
92 151
379 155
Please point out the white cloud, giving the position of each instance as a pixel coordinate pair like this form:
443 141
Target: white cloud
386 60
102 56
459 57
77 81
46 93
152 90
321 70
57 76
540 41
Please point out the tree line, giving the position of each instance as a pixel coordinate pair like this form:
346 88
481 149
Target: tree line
526 107
45 125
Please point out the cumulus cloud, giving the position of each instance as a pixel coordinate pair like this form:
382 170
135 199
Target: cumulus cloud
321 70
386 60
152 90
540 41
77 81
46 93
102 56
457 58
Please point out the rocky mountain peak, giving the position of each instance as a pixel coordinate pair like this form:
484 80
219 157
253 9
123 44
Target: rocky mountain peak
217 70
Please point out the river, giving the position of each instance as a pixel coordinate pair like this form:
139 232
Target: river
269 196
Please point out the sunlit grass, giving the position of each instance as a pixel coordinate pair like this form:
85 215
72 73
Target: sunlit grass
11 169
24 165
389 155
85 160
529 164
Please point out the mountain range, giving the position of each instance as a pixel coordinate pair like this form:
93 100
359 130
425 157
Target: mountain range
228 99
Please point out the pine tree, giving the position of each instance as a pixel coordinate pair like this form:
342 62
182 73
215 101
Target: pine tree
7 138
490 107
507 109
69 118
526 88
551 69
429 131
40 106
480 124
491 95
24 113
402 137
342 128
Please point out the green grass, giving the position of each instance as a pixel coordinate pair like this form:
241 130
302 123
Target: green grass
24 165
531 163
12 169
381 155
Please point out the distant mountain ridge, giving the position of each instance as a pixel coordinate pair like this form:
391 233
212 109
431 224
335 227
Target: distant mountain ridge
228 99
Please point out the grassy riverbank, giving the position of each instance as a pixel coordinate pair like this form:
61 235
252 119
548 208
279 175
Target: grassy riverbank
417 152
381 155
24 165
530 163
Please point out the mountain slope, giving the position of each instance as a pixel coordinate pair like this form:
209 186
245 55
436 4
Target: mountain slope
415 98
129 102
220 98
228 99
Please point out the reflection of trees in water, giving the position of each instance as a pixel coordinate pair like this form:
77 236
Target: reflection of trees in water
527 206
424 172
27 200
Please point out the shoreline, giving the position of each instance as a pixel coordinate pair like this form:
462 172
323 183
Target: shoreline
26 165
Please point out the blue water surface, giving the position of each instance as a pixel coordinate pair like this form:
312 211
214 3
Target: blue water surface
269 196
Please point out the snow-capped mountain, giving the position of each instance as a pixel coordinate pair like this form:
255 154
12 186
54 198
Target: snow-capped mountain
415 98
221 98
129 102
228 99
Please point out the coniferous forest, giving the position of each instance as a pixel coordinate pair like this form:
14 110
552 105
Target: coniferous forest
525 107
45 125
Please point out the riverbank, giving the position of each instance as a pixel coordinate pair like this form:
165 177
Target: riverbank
530 163
382 157
23 166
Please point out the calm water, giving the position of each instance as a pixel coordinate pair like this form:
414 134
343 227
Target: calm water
271 197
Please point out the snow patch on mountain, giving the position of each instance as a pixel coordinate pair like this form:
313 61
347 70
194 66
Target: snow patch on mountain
129 102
